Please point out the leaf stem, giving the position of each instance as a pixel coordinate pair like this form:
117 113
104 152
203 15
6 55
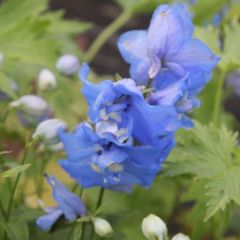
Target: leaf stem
100 198
218 99
5 115
3 211
24 158
99 203
106 34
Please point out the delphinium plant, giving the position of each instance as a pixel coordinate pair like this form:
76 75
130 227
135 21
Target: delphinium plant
119 155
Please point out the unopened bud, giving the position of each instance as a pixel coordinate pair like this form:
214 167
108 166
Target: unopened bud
47 131
180 236
46 80
31 104
154 228
102 227
68 64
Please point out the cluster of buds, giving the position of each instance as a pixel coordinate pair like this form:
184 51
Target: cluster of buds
154 228
33 109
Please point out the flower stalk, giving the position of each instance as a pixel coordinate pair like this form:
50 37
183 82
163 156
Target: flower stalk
106 34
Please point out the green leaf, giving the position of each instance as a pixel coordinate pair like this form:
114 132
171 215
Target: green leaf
210 154
6 85
17 230
14 171
231 57
201 16
223 189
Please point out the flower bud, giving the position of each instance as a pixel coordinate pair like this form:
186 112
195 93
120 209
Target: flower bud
46 80
102 227
180 236
31 104
154 228
1 58
47 130
68 64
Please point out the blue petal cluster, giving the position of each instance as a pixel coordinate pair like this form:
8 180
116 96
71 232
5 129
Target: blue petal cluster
133 120
95 160
167 57
68 205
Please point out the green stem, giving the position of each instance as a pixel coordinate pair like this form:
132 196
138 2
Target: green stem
83 230
3 211
99 203
100 198
218 99
106 34
42 169
9 209
5 115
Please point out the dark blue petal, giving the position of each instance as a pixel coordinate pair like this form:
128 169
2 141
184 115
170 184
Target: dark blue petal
85 173
151 121
78 144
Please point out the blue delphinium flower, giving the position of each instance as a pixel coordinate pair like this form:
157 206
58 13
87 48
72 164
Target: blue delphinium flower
120 108
96 161
167 51
68 205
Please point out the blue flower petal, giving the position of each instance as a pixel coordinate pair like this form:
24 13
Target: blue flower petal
46 222
134 49
151 121
77 145
70 204
90 90
169 28
195 54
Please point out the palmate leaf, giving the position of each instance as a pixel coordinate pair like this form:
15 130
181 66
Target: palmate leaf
231 56
34 41
209 154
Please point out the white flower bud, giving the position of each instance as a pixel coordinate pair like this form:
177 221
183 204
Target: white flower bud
154 228
68 64
47 130
180 236
31 104
1 58
46 80
102 227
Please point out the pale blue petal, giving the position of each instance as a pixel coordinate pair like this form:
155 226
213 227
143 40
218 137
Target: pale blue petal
169 28
46 222
133 47
195 54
